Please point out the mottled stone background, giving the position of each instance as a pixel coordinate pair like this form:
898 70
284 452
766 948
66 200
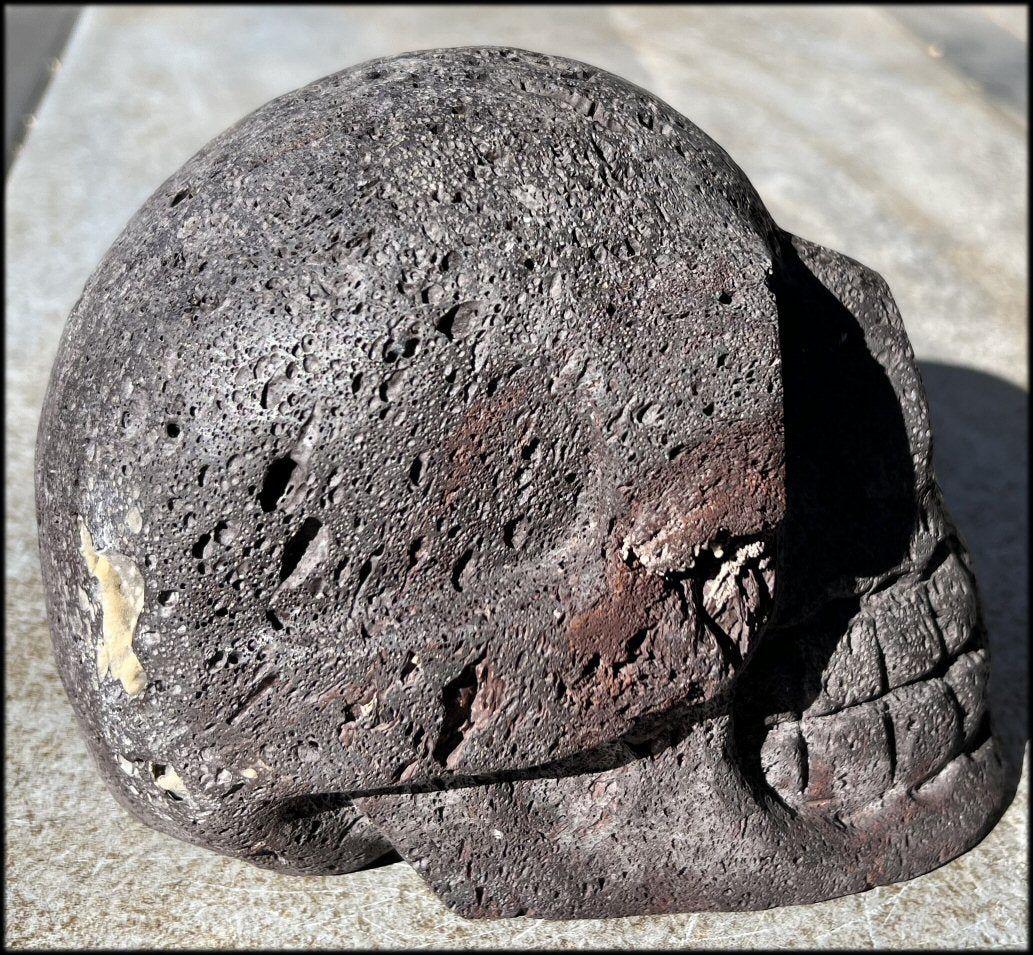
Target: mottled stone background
896 135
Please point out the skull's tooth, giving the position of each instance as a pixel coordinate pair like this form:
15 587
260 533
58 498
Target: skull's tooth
927 730
849 757
952 596
906 629
852 673
899 741
784 761
967 679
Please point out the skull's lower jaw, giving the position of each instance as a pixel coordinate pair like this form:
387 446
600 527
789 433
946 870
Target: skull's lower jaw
683 831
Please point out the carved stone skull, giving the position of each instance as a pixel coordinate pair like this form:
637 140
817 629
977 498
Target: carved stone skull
455 459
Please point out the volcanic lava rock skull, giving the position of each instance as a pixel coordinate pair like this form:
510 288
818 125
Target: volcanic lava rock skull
454 458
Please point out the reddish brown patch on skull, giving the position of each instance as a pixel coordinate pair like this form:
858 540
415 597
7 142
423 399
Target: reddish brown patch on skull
629 651
486 424
732 483
604 628
672 624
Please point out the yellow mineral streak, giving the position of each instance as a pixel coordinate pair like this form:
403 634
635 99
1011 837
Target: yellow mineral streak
170 781
121 600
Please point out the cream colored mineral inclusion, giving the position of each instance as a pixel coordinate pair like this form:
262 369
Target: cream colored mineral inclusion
121 600
720 590
171 782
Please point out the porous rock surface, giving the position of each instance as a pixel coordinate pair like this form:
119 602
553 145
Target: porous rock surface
454 459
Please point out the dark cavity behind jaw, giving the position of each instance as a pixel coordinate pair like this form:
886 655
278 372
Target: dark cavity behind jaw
850 493
850 482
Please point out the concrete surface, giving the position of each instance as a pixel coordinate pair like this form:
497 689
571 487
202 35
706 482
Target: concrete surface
988 47
34 36
858 131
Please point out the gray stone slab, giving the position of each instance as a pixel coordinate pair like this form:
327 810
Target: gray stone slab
34 37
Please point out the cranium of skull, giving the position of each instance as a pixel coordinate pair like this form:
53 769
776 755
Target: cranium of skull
454 459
